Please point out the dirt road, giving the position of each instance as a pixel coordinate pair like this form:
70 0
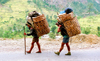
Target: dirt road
13 50
77 55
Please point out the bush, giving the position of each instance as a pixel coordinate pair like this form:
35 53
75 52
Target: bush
53 28
52 35
87 30
98 33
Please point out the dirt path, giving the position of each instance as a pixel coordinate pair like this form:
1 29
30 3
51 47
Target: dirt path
13 50
77 55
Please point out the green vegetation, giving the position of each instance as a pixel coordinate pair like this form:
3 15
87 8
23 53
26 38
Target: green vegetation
84 10
13 16
90 25
52 35
3 1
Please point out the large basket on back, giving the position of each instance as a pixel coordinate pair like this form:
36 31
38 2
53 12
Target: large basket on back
41 25
63 17
72 27
71 24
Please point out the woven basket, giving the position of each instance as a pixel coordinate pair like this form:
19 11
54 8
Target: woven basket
64 17
41 25
72 27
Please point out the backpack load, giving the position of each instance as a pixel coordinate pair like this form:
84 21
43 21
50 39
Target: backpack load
38 22
63 17
72 27
41 25
70 23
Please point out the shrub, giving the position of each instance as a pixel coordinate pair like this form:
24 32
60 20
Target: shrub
52 35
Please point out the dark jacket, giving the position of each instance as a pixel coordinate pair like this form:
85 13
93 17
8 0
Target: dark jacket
63 31
33 33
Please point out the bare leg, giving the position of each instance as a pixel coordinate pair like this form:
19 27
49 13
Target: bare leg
62 46
37 42
68 47
32 45
38 47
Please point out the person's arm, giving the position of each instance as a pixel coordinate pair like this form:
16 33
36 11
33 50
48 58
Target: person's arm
31 31
59 28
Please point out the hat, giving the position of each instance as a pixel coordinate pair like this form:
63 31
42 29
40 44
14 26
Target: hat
68 10
61 12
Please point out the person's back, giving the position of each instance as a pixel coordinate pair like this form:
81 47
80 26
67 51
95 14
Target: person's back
63 31
32 32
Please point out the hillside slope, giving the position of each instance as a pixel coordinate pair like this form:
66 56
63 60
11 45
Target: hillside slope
13 14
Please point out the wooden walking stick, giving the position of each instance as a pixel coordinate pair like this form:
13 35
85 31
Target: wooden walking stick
24 41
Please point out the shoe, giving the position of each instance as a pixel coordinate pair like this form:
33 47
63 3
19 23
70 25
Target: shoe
28 52
57 53
38 52
69 53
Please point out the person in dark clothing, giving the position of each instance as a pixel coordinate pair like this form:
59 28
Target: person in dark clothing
35 39
65 39
33 32
61 29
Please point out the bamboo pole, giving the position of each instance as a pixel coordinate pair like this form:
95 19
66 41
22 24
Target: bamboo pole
24 41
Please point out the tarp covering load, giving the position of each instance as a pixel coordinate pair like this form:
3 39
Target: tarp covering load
70 23
39 23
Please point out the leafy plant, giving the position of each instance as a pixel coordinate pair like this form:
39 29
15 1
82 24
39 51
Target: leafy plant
52 35
53 28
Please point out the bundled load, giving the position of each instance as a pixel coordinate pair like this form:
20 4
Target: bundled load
70 23
39 23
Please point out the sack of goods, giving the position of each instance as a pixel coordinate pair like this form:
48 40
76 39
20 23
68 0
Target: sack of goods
70 23
39 23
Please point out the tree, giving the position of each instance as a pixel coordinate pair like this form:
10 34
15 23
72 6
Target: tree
53 28
52 35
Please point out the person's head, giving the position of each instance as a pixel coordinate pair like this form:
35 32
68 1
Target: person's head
33 14
67 11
